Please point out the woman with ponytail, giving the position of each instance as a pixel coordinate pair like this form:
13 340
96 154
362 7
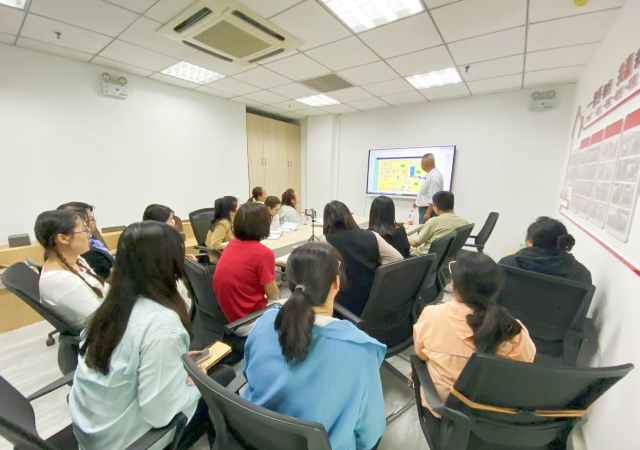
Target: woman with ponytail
67 283
447 334
302 362
547 251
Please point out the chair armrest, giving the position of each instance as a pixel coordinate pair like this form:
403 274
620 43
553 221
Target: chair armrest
62 381
344 312
154 435
231 327
471 245
426 383
202 248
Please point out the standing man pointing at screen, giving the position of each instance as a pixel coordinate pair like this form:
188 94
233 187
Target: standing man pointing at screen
432 183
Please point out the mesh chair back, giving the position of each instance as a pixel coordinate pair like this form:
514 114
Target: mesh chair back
461 235
485 232
246 425
387 316
548 306
201 223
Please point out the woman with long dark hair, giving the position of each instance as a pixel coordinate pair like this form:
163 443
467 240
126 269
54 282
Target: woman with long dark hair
288 211
67 283
258 195
302 362
382 220
446 335
159 213
362 251
130 376
221 231
273 203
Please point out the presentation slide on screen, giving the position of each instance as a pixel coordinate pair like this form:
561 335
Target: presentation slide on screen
397 171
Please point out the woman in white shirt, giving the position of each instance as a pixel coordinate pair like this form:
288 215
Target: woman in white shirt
130 376
67 283
273 203
288 211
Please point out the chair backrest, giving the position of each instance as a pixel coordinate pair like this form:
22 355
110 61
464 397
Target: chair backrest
461 235
439 249
17 420
200 220
22 280
548 306
387 316
252 426
485 232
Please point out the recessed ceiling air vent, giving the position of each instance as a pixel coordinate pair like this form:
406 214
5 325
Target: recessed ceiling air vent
228 30
327 83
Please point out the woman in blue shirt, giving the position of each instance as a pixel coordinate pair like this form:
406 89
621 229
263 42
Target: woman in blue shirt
302 362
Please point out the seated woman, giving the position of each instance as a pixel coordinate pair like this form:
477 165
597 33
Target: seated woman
245 274
547 251
67 283
273 203
446 335
98 257
258 195
130 376
221 231
288 211
362 252
301 362
382 220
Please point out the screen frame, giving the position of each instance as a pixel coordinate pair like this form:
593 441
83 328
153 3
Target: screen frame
408 196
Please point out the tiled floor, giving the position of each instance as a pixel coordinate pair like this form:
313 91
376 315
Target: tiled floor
28 364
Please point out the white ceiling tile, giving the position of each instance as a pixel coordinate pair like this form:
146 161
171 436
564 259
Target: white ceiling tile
423 61
282 55
338 109
370 73
495 45
404 98
470 18
560 57
389 87
106 62
262 77
350 94
54 49
449 91
314 112
436 3
217 65
495 84
494 68
370 103
44 30
294 90
265 97
175 81
10 20
7 38
144 33
292 105
139 6
250 103
212 91
540 10
312 23
553 76
570 31
233 87
165 10
404 36
137 56
298 67
342 54
92 15
267 8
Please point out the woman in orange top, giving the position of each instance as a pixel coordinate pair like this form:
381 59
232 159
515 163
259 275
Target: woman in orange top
446 335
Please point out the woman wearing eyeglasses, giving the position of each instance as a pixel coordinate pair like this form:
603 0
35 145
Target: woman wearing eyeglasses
67 283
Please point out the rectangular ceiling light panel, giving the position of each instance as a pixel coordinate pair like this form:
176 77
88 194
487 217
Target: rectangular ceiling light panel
362 15
318 100
436 78
14 3
190 72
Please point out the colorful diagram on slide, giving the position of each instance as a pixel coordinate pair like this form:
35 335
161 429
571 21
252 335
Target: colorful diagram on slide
398 175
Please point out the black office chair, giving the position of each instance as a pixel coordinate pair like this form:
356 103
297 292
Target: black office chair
201 223
22 279
388 313
553 309
501 404
480 239
18 423
430 288
461 235
240 424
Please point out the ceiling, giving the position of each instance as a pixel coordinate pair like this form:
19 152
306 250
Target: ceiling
495 44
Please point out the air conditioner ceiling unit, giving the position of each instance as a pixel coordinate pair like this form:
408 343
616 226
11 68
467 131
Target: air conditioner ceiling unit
230 31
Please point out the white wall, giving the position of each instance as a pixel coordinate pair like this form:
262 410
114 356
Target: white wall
60 141
508 158
613 422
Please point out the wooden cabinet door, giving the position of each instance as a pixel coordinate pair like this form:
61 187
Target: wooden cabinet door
276 157
255 150
293 158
